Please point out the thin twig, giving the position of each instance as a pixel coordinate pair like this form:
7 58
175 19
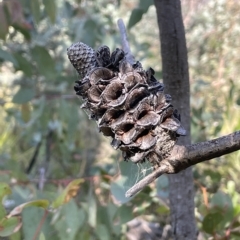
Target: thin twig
183 157
125 44
147 180
34 158
63 181
40 225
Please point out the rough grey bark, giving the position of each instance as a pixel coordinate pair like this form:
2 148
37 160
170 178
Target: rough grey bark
176 81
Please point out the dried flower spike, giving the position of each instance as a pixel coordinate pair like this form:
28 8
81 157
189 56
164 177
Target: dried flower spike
127 102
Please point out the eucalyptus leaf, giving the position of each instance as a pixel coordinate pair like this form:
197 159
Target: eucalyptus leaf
9 226
92 210
51 9
163 209
143 4
135 17
72 219
31 217
211 221
130 174
69 192
7 56
35 8
42 237
118 190
23 95
222 201
45 63
25 112
4 23
42 203
238 100
125 214
138 12
89 32
23 30
102 232
16 236
4 191
23 64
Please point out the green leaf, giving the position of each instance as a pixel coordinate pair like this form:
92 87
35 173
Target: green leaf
222 201
235 234
23 64
42 203
35 10
125 214
26 112
24 31
74 218
92 210
23 95
130 174
145 4
42 237
163 209
238 101
69 192
45 63
4 190
9 226
6 56
211 221
16 236
118 3
135 17
4 23
31 217
136 171
71 221
215 176
236 210
84 234
50 8
111 209
89 32
102 232
118 190
106 216
138 12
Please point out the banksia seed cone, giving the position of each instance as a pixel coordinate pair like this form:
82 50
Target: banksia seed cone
127 102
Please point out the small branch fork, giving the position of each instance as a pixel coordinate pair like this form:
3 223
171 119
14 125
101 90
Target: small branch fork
181 157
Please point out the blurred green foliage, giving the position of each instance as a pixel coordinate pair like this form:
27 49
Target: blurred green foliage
46 141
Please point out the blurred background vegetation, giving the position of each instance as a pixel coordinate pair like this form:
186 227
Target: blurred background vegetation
46 140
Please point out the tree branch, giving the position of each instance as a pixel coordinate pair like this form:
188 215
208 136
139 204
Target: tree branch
183 157
176 83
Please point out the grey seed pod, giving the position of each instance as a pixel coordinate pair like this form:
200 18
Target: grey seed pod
82 58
